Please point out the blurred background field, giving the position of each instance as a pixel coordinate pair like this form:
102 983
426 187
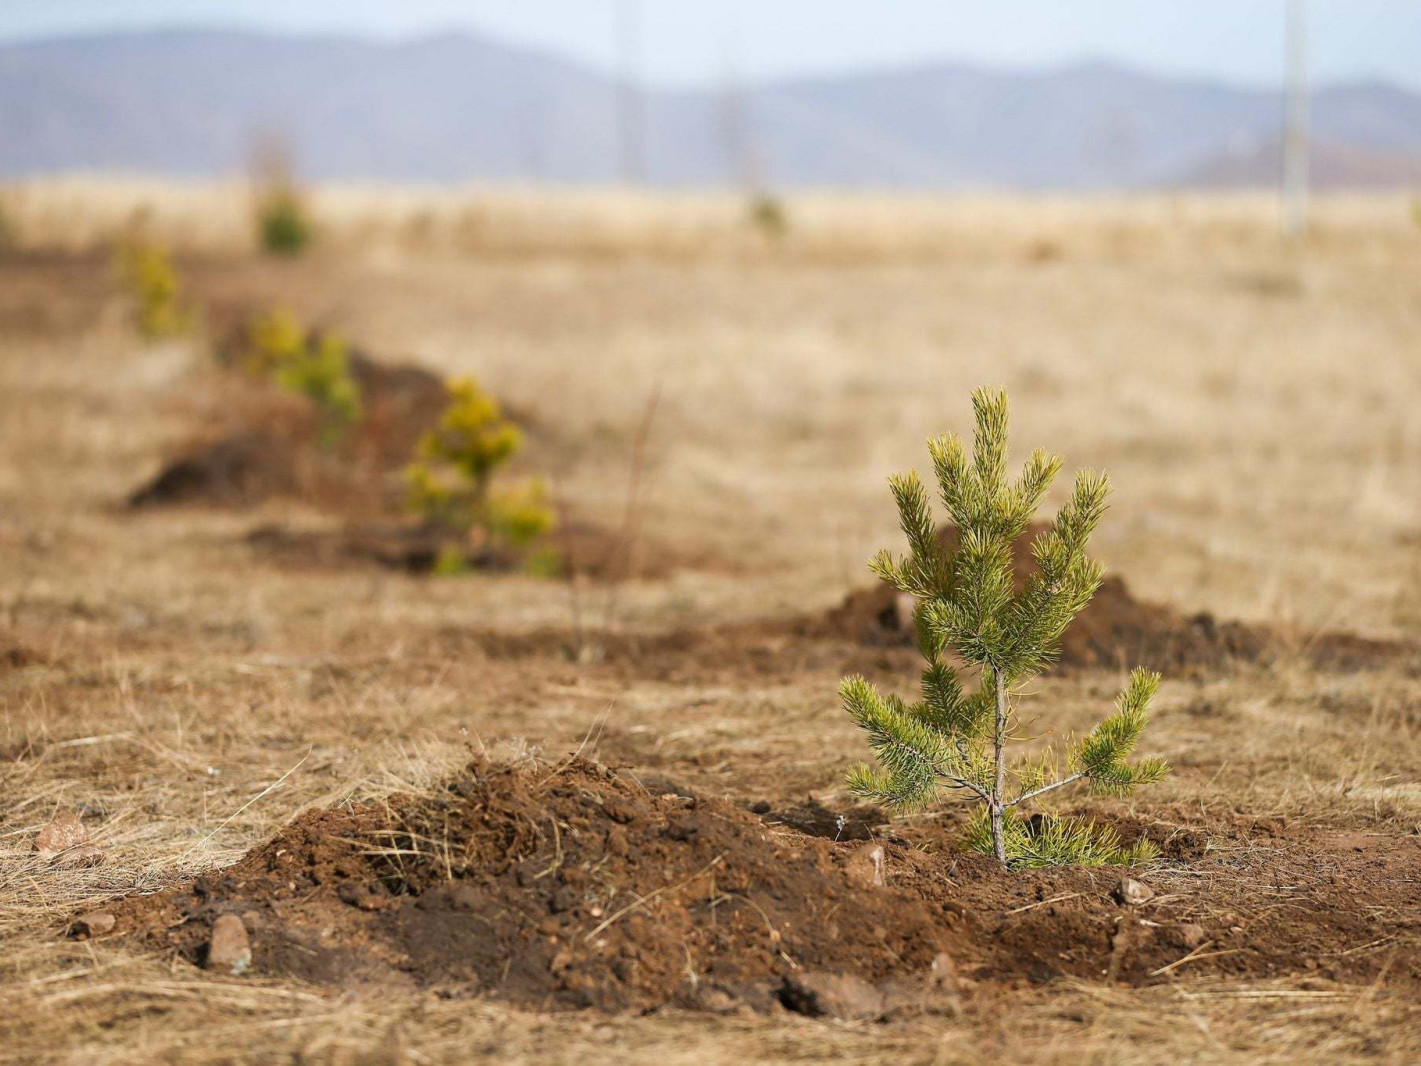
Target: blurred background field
724 268
1252 396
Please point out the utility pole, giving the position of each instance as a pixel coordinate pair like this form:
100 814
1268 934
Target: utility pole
1295 123
631 109
741 168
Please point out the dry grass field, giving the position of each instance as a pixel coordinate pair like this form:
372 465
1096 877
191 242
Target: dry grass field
1256 402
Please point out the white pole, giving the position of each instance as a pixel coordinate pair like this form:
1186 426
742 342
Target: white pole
740 167
1295 125
630 111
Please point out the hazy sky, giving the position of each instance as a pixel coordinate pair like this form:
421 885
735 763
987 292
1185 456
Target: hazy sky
686 42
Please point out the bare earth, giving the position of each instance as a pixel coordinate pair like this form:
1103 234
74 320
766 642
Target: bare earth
194 698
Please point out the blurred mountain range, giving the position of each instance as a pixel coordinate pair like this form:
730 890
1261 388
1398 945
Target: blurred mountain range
456 106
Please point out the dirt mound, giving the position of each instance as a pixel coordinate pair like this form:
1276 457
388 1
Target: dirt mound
401 401
566 888
1118 630
579 548
244 468
17 657
270 444
576 887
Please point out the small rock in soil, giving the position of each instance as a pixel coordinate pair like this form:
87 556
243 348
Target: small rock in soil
1132 893
64 832
681 831
622 810
230 951
95 923
1193 935
362 896
944 970
717 1000
832 995
617 842
934 991
867 867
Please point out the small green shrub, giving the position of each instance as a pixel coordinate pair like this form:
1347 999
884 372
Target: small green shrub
450 483
273 339
451 560
314 366
284 224
768 215
8 238
1007 628
152 282
321 371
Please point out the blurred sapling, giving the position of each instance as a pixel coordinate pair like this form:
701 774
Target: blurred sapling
314 365
283 223
152 282
451 481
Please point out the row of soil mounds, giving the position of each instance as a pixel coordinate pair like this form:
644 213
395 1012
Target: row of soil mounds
1119 631
264 443
575 887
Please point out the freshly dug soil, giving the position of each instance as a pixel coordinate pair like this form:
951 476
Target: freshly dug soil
577 886
17 657
573 887
237 470
269 445
1119 631
1115 630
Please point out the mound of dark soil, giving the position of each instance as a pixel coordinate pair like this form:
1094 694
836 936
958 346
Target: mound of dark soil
567 888
17 657
576 886
269 444
410 548
1117 630
401 401
240 469
582 549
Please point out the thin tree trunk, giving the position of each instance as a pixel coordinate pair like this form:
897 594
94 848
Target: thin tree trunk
998 803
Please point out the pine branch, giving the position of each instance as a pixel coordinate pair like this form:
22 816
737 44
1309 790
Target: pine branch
1072 779
989 451
1026 495
950 465
962 782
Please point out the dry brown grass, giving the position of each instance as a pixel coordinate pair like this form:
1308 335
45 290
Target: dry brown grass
1255 403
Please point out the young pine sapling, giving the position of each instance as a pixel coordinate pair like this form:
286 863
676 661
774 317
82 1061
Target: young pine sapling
147 270
313 365
451 482
971 603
